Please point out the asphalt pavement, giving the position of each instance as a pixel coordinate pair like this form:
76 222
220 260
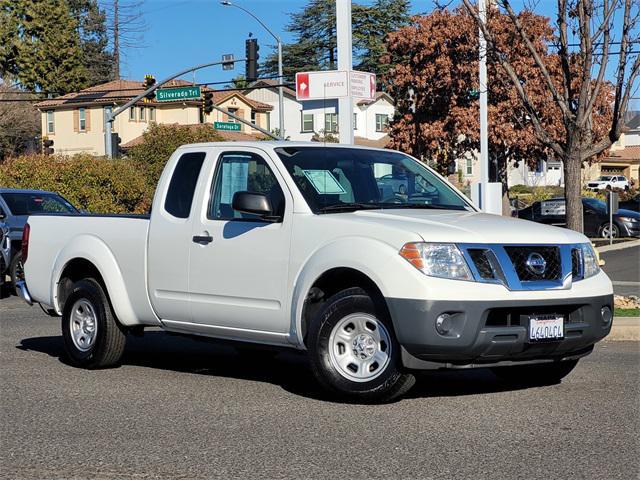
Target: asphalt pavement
623 267
182 409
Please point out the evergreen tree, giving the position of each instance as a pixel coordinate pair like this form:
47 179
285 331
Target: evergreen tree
45 53
94 40
314 45
372 27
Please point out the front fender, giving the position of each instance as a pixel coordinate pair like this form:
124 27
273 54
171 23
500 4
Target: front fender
377 260
94 250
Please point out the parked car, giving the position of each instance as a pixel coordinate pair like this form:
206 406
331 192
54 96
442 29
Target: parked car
16 206
609 182
626 223
631 204
292 244
5 250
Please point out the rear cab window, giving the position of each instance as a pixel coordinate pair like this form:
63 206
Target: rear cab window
23 204
182 186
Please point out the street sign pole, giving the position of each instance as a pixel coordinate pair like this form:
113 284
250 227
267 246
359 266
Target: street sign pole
345 63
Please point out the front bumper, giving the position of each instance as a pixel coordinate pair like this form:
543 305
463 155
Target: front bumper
484 332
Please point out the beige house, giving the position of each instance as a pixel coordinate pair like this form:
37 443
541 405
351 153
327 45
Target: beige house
76 121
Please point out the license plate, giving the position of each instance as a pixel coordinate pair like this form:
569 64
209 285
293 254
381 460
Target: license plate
546 327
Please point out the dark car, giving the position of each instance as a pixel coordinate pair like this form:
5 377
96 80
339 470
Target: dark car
631 204
16 206
626 223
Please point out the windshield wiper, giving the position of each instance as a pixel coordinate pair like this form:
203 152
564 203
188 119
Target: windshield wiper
420 205
348 207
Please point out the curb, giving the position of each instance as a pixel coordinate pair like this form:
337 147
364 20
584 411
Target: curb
625 328
619 246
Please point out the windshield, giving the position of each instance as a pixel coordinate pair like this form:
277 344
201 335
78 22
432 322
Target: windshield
605 178
34 203
335 179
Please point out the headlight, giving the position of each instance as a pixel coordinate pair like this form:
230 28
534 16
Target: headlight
628 219
590 260
442 260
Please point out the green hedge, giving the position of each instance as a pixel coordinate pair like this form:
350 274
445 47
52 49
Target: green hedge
92 183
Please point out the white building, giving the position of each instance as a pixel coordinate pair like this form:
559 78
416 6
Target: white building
304 119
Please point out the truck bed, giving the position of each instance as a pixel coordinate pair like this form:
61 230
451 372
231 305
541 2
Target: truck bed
116 244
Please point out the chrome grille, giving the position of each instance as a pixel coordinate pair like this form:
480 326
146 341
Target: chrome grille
519 255
479 257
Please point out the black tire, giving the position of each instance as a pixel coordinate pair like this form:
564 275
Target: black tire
108 346
16 271
390 383
615 229
541 374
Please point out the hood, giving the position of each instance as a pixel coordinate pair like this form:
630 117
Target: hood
628 213
469 227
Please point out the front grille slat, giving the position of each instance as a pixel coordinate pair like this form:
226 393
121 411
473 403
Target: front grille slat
520 254
479 257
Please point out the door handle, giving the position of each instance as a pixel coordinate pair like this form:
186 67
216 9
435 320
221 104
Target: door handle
202 239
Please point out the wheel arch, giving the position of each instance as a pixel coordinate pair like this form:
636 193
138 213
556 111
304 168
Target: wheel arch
89 257
349 262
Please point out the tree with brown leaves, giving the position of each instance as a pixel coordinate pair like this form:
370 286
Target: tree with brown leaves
435 82
590 37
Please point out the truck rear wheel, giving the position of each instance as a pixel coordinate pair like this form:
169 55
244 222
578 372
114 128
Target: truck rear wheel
540 374
353 350
92 336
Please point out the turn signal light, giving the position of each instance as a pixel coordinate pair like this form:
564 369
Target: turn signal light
412 253
25 242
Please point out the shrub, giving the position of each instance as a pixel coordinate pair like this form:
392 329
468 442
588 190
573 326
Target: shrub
92 183
160 141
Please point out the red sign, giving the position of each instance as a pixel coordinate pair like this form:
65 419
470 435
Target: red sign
302 85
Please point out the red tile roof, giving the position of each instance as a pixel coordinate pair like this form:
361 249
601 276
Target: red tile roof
627 153
365 142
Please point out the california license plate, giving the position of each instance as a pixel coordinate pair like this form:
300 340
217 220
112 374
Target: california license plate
546 327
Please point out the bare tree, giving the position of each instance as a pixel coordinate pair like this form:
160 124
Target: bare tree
19 121
592 36
126 27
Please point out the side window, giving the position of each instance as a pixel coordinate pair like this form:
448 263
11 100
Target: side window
240 172
183 184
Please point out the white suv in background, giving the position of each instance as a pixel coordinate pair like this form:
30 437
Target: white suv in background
609 182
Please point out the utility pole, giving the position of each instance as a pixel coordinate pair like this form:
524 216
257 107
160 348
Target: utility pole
345 63
116 41
484 128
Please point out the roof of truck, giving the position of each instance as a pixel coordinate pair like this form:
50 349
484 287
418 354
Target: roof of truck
278 144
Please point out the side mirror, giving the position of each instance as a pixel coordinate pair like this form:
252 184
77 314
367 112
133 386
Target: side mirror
249 202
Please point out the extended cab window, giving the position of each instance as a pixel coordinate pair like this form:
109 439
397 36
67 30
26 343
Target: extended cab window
183 184
242 172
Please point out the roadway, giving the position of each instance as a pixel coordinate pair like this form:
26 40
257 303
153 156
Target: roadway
623 267
181 409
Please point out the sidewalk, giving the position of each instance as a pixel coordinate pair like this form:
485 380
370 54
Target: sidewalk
625 328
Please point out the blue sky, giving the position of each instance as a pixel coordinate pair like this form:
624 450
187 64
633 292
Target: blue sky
182 33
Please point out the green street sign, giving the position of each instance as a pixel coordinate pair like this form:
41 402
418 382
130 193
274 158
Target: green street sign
178 93
228 126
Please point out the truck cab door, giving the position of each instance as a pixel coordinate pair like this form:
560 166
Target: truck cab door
239 265
170 236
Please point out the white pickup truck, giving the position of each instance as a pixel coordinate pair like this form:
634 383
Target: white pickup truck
314 247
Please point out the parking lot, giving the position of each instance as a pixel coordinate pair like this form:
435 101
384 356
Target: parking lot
178 408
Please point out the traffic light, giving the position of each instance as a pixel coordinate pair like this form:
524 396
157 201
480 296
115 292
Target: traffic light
149 81
252 49
207 102
115 145
47 145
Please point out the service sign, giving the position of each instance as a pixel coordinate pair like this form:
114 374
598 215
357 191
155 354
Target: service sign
335 84
321 85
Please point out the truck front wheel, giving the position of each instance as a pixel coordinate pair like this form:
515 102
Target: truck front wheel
353 350
92 336
540 374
